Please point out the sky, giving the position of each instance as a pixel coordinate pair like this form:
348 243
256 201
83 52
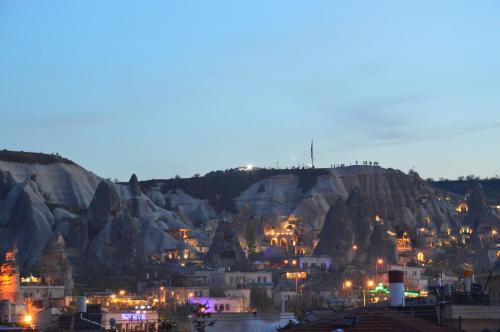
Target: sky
164 88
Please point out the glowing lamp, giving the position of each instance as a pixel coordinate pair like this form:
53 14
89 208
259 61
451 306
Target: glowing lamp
28 319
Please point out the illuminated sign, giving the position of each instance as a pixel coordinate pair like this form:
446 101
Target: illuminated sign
131 316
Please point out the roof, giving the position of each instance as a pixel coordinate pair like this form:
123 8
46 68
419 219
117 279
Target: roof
370 319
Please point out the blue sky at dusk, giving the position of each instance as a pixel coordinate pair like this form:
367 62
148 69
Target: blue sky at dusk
162 88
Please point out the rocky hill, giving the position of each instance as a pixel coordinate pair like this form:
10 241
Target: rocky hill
104 225
111 228
342 204
491 188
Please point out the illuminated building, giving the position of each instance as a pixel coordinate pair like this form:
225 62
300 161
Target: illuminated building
462 207
420 257
465 233
12 305
10 284
296 275
403 243
179 233
466 230
284 236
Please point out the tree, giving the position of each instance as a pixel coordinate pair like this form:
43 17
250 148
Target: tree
250 237
200 316
259 299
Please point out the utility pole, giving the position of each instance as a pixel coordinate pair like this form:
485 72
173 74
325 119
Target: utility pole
312 153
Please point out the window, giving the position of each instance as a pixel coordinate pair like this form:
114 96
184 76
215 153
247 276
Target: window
304 265
227 306
258 280
221 307
323 265
313 265
265 279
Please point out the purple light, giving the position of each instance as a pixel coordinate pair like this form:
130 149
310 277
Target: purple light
206 301
131 316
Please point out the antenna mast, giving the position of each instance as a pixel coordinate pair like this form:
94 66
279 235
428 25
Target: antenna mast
312 153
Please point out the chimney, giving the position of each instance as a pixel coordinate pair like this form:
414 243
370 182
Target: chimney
81 304
396 288
468 280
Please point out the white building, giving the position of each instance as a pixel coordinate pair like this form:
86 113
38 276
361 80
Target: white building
221 304
129 321
232 280
315 263
43 296
241 293
284 299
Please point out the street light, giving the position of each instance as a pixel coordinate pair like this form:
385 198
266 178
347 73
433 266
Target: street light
27 319
348 286
493 233
369 284
379 261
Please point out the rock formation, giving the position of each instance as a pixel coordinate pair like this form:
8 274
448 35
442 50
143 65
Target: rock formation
353 222
480 214
226 250
56 267
118 226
